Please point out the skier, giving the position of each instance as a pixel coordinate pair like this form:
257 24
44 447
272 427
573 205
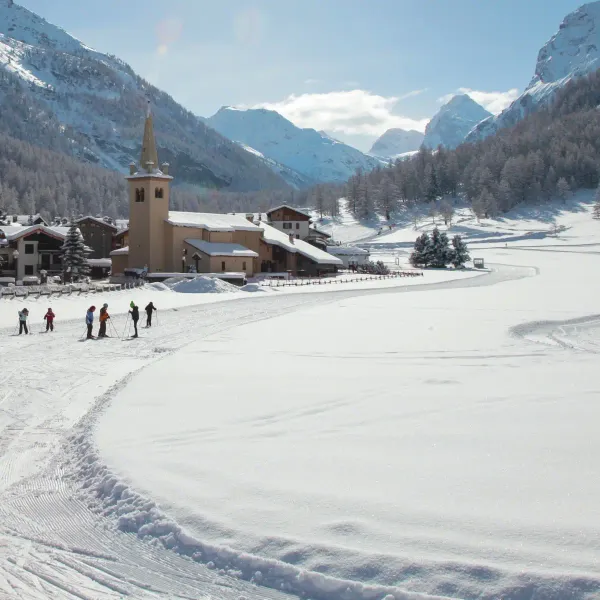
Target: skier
104 316
89 320
49 318
135 317
149 309
23 314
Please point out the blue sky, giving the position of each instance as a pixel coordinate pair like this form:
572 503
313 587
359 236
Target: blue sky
351 67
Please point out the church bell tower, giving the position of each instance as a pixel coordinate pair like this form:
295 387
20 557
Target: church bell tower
149 189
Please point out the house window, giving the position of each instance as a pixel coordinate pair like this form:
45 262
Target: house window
297 236
139 194
56 259
29 249
287 225
223 266
158 193
297 225
28 269
243 266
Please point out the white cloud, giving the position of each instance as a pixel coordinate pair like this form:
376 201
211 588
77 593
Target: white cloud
494 102
353 112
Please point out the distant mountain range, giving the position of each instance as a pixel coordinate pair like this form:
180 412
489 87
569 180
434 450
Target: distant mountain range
312 155
397 142
58 93
449 128
451 125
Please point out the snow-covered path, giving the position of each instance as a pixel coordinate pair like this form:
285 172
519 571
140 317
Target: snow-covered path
439 442
49 540
52 544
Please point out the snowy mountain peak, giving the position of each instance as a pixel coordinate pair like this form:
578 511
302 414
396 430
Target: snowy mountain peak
314 155
395 142
453 122
572 52
20 24
91 105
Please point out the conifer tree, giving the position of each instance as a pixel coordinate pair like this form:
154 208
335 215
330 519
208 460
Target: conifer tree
421 251
440 250
74 252
459 253
563 189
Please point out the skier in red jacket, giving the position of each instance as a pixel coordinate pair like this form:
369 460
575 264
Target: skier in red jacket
49 317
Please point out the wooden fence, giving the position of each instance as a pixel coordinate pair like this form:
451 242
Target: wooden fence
338 280
58 291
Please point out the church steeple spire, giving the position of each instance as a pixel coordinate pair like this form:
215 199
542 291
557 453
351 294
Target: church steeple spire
149 154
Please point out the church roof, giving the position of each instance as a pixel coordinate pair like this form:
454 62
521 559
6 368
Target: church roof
221 248
211 221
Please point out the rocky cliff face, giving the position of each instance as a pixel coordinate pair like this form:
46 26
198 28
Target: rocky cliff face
573 51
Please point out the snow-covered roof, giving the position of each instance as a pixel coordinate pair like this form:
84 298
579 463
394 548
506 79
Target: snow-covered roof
294 208
122 224
24 219
211 221
319 232
221 249
120 251
278 238
97 220
347 251
18 231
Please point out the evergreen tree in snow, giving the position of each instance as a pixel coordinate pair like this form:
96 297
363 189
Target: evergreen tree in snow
421 251
563 189
74 259
459 253
440 250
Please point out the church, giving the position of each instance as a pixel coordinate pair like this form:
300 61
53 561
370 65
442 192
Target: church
164 241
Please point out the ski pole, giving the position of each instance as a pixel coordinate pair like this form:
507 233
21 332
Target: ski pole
84 333
113 327
124 328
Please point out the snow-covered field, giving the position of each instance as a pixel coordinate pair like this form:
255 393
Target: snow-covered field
351 445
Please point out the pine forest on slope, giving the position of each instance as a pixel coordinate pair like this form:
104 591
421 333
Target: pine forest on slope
549 153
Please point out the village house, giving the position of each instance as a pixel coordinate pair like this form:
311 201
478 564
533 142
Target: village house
290 220
350 255
164 241
99 235
26 251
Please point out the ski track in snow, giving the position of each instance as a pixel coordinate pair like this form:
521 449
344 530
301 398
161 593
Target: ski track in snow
54 542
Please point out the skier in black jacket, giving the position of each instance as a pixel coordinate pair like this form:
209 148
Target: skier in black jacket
135 317
149 310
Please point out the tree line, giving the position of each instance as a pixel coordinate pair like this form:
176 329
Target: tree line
549 154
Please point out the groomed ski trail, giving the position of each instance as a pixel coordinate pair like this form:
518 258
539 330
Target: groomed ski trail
52 545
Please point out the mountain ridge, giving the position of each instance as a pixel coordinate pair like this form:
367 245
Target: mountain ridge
573 51
315 156
452 123
395 142
63 95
